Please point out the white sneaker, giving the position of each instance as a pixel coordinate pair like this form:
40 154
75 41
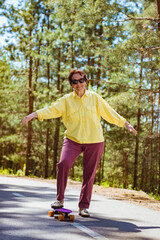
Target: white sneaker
57 204
84 212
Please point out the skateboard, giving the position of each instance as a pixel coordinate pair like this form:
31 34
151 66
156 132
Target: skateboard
62 214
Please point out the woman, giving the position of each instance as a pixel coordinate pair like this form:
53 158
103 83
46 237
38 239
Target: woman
81 111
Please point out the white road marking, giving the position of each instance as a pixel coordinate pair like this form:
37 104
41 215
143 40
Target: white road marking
89 231
18 195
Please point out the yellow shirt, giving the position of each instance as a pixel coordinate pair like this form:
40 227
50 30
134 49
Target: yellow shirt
82 116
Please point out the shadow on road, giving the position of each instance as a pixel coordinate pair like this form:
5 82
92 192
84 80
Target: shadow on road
115 229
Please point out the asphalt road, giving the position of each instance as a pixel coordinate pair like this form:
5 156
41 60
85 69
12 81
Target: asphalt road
24 206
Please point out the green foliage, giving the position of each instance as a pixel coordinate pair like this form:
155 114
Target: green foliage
154 196
120 58
6 171
105 184
20 172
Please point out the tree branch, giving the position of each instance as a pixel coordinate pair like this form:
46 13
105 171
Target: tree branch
143 18
137 18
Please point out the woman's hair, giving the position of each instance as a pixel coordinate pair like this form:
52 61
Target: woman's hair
80 72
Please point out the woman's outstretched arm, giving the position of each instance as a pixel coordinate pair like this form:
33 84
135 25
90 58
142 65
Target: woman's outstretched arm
29 117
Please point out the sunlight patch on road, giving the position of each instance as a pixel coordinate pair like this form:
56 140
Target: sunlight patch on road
18 195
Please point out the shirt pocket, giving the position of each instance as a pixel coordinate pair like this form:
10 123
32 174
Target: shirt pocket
92 114
91 109
73 115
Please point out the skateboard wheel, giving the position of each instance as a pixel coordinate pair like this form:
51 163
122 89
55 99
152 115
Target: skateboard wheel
51 213
61 217
71 217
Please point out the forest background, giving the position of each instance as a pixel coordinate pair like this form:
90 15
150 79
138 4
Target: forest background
117 43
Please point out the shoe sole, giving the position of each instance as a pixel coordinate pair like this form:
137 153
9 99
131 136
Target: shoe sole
87 216
57 207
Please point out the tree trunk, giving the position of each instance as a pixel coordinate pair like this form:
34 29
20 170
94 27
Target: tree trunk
151 138
55 147
99 72
37 66
158 11
138 129
46 154
47 130
72 64
29 163
72 53
159 137
57 123
125 169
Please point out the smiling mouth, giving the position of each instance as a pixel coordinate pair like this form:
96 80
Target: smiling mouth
79 87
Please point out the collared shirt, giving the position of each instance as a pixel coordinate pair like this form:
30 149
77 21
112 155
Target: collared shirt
82 116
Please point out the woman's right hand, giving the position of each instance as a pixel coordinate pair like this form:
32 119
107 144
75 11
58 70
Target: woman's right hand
29 117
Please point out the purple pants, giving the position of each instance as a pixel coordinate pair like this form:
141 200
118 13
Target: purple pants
91 156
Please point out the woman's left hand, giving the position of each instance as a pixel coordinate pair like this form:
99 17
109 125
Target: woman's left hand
130 128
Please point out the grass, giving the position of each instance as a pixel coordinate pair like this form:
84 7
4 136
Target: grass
9 171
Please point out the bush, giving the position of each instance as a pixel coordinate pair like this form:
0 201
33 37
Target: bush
20 173
6 171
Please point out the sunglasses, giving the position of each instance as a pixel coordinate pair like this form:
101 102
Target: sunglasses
81 80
